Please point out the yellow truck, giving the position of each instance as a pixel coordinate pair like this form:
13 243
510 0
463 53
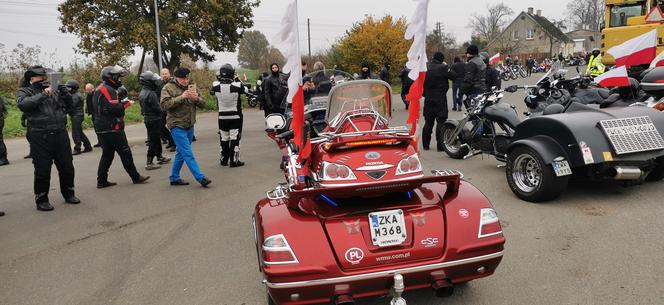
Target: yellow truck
626 19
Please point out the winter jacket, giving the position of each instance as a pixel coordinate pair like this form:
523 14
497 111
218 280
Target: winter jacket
89 104
228 94
385 74
275 91
180 112
43 112
474 81
493 78
406 82
436 85
77 105
459 69
109 109
150 106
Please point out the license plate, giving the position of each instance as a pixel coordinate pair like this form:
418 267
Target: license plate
388 228
561 168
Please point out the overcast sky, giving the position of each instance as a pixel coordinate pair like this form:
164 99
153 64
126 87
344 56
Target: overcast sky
35 22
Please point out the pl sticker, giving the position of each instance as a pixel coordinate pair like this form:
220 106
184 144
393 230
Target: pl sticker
354 255
464 213
586 152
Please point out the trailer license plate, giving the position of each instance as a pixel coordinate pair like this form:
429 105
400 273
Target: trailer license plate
388 228
561 168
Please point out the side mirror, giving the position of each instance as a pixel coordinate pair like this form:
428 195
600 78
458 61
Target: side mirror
512 88
275 121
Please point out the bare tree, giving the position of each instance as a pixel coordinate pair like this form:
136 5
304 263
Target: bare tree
490 25
585 14
440 41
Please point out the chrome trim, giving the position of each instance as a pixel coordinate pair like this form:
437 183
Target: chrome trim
479 231
389 273
370 183
374 167
287 248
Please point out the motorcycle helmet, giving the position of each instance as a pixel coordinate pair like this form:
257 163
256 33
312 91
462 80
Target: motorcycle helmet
33 71
111 75
653 82
73 85
596 51
631 91
226 72
149 78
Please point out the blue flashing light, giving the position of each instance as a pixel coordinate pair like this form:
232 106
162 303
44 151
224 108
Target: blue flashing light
329 201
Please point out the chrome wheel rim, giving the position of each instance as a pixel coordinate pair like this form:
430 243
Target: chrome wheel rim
526 173
452 144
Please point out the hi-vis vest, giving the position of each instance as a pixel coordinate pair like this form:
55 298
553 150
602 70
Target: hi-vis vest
595 66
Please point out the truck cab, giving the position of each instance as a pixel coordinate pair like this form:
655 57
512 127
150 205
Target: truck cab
626 19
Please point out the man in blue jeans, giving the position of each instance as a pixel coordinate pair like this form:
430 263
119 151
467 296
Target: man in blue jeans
179 98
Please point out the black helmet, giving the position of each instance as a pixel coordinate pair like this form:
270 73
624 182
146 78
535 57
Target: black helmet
73 85
111 75
226 72
149 78
596 51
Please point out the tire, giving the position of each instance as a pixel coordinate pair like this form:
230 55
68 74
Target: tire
657 173
530 178
454 150
523 73
513 75
504 76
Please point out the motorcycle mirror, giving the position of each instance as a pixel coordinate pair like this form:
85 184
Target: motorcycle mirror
275 121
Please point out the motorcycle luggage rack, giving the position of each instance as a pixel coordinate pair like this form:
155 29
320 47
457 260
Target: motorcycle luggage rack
444 172
279 192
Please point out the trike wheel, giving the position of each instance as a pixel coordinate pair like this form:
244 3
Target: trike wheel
530 178
657 173
454 146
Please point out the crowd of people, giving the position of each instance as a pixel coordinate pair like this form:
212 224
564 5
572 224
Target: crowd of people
169 106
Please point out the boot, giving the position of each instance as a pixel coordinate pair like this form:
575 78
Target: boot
235 160
163 160
150 166
4 161
141 179
225 153
44 206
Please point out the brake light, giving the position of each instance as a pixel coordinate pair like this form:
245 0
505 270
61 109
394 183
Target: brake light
277 251
371 142
659 106
489 223
332 171
409 165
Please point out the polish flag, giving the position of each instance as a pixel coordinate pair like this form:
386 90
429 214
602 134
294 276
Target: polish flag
417 61
636 51
613 78
494 59
658 61
289 43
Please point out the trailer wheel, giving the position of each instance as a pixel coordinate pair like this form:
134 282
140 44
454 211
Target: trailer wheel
530 178
454 149
657 173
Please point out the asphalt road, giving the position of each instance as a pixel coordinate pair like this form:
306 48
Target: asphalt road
599 243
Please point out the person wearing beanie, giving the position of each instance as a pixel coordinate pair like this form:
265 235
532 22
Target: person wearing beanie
474 81
179 98
365 72
436 85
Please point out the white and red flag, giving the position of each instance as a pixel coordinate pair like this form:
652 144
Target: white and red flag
640 50
494 59
613 78
289 43
658 61
417 60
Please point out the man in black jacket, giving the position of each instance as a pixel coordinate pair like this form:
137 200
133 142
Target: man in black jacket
109 125
436 85
152 114
365 72
76 117
45 108
406 82
474 81
3 148
275 90
492 75
89 106
385 73
459 69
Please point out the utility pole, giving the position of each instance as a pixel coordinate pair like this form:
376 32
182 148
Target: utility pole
309 36
156 20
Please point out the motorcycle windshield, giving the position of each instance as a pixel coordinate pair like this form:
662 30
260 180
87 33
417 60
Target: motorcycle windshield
357 96
546 76
318 84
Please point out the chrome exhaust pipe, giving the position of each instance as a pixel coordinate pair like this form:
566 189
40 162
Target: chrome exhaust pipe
442 288
626 173
344 299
